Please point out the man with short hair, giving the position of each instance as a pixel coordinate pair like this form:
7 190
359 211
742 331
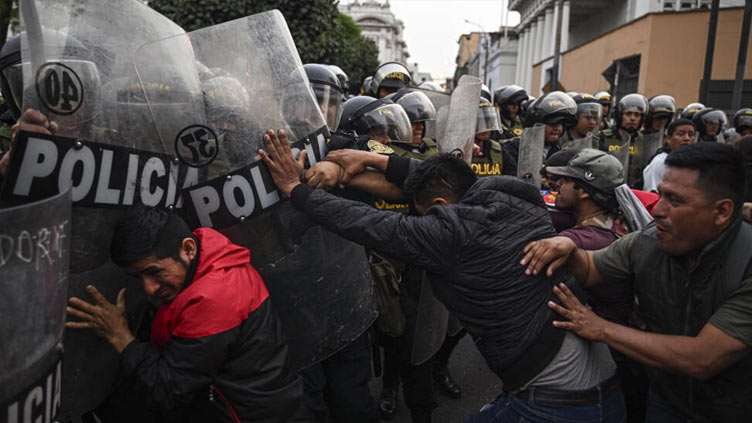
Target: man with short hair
217 351
692 275
679 132
465 238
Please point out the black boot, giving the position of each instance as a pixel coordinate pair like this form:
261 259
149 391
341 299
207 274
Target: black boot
388 403
445 382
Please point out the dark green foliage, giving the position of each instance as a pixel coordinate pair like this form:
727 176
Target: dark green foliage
321 33
7 12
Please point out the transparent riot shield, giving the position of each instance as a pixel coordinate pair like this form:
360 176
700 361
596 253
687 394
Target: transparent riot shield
430 325
251 80
439 100
34 252
622 153
459 128
579 144
78 71
441 118
530 159
645 147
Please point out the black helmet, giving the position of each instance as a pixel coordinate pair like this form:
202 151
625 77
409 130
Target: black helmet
631 103
554 107
11 80
366 114
603 98
390 75
524 106
691 109
431 85
589 106
708 116
417 105
365 89
485 92
344 80
742 119
509 94
328 91
660 106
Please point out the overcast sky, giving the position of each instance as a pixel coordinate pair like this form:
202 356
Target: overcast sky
432 28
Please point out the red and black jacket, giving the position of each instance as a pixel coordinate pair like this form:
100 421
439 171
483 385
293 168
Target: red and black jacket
217 351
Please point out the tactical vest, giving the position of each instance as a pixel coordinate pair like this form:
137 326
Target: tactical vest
490 164
676 302
513 130
611 139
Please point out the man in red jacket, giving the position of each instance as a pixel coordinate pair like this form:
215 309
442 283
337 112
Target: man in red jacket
217 352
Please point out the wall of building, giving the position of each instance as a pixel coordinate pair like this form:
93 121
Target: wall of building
672 49
582 31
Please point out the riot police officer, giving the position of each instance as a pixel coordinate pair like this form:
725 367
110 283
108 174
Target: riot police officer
327 87
344 80
485 92
692 108
419 110
507 101
588 118
488 156
389 78
743 121
710 124
431 85
661 111
628 117
365 87
604 99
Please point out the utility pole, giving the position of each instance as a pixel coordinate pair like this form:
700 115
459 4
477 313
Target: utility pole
557 47
709 48
736 96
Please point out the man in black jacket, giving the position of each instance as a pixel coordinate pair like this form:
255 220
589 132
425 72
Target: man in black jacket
469 238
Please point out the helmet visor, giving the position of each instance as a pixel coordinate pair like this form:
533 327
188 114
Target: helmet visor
387 123
589 115
12 74
418 106
330 103
744 121
488 119
394 74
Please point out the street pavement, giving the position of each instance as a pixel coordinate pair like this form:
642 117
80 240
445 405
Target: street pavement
479 386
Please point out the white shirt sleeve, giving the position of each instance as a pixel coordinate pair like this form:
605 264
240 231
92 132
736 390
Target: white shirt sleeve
653 173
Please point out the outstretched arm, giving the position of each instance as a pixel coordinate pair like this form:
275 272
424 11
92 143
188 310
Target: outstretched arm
553 253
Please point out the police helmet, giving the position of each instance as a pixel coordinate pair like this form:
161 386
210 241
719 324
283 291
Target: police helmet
588 105
378 118
508 94
431 85
11 80
417 105
485 92
524 106
692 108
393 75
603 97
344 80
487 118
631 103
743 119
365 88
554 107
328 91
660 106
709 116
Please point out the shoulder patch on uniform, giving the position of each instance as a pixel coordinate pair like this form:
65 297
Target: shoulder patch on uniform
377 147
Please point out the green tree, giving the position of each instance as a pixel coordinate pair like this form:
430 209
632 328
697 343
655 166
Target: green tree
7 12
320 32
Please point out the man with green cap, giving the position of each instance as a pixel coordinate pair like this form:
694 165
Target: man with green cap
586 189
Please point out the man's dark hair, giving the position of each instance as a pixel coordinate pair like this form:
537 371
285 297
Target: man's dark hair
671 128
147 232
720 170
442 175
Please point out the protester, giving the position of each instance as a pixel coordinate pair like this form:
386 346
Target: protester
692 279
464 237
680 132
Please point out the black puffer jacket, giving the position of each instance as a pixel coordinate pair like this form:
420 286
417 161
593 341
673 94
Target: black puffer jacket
472 252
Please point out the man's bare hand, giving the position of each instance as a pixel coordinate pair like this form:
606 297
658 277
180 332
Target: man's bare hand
324 175
107 319
33 121
353 162
282 165
581 319
552 252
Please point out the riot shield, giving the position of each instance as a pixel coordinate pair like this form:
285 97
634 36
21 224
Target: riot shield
579 144
646 146
635 212
459 129
34 252
530 159
439 100
320 284
621 153
77 70
430 325
441 118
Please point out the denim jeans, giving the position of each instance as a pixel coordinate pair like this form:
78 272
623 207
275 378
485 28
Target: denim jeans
510 409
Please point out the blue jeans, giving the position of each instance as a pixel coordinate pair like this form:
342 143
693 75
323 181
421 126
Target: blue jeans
510 409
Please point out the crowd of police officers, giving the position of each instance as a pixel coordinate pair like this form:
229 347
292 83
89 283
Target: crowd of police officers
395 116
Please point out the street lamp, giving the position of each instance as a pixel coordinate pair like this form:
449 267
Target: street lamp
485 39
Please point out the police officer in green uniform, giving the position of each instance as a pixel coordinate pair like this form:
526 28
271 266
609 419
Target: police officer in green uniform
629 115
507 101
689 111
710 123
604 99
389 78
661 111
743 121
588 118
488 157
419 110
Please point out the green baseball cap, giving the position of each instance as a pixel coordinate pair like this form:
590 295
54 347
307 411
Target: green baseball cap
594 167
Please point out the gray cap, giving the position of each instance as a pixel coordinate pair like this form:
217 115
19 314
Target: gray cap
594 167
